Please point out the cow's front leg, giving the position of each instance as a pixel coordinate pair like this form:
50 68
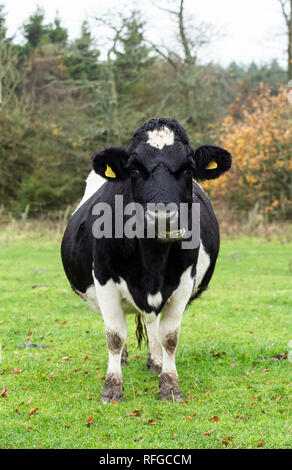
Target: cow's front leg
154 361
116 333
169 328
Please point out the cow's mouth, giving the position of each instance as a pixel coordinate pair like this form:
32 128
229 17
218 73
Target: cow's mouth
171 235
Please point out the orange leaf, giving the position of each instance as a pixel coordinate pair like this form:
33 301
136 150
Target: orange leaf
4 392
206 433
214 418
33 410
89 418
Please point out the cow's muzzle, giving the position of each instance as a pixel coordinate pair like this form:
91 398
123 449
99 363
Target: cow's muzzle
165 225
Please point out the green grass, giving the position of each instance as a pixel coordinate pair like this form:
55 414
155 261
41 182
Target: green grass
224 358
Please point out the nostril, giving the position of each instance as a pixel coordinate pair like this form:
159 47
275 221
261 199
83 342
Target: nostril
166 215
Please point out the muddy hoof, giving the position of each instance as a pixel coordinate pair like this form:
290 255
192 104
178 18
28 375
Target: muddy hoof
112 390
124 357
169 388
153 366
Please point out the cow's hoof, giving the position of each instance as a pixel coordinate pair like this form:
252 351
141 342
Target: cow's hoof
169 388
124 357
153 366
112 390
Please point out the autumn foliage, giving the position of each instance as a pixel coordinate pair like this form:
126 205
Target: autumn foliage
261 144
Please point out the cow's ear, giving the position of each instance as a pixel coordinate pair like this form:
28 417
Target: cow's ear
111 163
210 162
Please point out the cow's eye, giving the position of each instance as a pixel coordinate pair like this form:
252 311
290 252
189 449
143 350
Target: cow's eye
187 171
135 171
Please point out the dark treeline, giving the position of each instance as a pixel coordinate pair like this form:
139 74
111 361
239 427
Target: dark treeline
64 99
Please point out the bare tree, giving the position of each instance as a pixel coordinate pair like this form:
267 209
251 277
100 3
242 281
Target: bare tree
115 125
286 7
191 37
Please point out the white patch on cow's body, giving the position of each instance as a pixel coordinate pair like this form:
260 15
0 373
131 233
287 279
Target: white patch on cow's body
129 304
93 183
171 318
202 266
90 297
160 137
154 300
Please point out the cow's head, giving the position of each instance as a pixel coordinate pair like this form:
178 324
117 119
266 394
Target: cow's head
160 164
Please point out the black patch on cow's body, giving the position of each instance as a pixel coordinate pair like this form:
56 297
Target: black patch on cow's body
146 265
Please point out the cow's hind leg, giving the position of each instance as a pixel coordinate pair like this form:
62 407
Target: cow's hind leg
116 333
125 355
154 361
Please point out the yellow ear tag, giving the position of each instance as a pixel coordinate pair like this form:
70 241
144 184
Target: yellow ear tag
109 172
211 165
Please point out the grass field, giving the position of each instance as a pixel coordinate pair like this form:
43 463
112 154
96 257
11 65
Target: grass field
236 393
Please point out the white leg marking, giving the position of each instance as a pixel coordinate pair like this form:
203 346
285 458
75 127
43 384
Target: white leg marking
93 183
160 137
154 346
109 301
169 326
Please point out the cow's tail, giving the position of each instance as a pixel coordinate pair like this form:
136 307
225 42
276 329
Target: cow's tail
141 333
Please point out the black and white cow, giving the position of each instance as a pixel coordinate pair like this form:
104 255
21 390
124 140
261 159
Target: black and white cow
140 275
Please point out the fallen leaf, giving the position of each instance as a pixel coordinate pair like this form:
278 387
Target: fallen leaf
86 358
225 440
280 357
207 391
173 436
4 392
266 369
33 410
242 416
108 436
206 433
151 422
89 418
189 417
90 423
214 418
134 413
260 444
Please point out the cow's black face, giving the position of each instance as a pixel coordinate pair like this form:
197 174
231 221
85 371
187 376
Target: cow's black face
161 176
161 180
160 164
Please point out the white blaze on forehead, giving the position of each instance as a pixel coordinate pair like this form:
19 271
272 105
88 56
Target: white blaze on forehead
160 137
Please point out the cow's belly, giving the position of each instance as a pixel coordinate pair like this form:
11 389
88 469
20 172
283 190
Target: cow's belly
128 304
